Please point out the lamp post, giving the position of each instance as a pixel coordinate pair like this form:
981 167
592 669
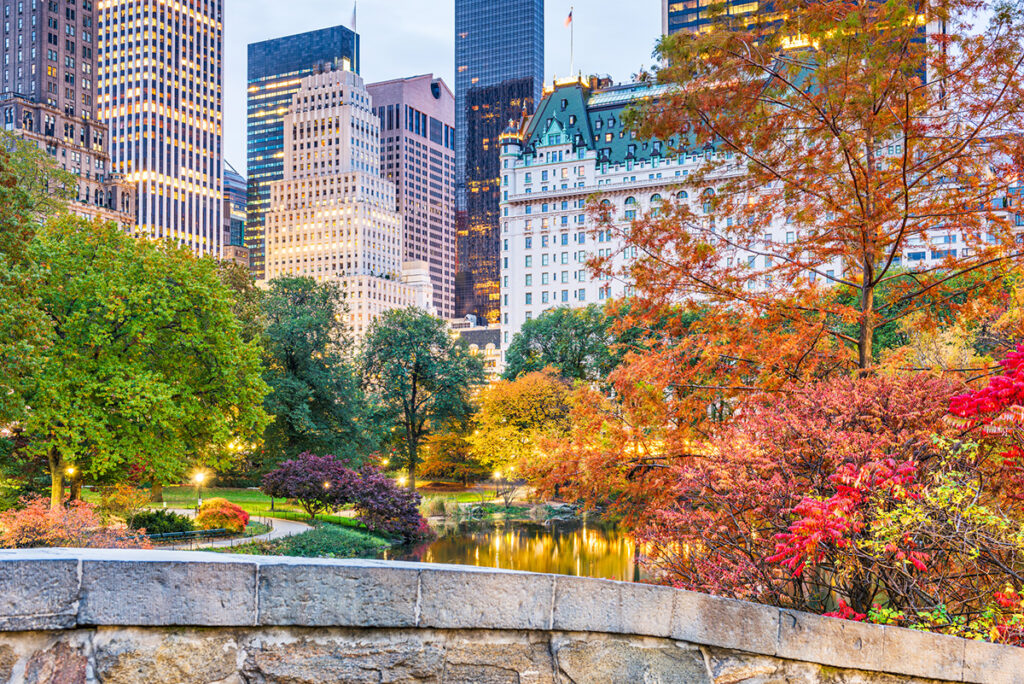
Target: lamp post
199 478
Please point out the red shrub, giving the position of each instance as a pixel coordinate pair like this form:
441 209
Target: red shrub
77 525
221 514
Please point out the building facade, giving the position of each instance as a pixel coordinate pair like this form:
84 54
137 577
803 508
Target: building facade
233 247
49 97
499 74
159 89
276 68
333 216
417 121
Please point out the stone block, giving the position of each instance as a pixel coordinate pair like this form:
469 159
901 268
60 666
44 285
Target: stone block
467 599
492 659
830 641
618 661
714 621
922 654
320 595
993 663
61 662
8 659
587 605
168 593
134 656
647 609
37 594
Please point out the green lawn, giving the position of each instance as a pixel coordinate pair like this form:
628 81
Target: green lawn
323 541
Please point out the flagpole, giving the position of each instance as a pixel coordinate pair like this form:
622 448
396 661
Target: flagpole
572 43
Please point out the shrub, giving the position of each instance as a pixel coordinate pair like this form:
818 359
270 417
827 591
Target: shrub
386 508
123 501
220 513
433 505
36 525
318 483
323 541
160 522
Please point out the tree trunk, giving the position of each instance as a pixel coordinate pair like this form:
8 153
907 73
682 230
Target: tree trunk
156 492
56 464
76 487
865 355
413 453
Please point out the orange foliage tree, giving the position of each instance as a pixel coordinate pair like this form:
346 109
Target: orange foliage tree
36 524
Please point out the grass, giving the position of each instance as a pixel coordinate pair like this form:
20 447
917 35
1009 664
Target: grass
323 541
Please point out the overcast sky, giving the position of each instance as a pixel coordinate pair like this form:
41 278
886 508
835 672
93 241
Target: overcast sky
410 37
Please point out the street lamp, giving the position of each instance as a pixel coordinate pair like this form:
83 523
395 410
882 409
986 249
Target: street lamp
199 478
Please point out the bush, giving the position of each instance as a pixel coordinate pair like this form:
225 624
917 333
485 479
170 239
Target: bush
433 505
160 522
318 483
217 514
323 541
386 508
123 501
78 525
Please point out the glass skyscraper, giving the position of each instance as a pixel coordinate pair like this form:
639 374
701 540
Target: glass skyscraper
499 74
276 69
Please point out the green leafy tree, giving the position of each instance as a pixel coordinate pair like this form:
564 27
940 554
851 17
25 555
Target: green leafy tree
144 367
316 398
420 376
247 299
577 342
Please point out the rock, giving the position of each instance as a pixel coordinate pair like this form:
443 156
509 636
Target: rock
156 656
59 663
614 661
399 660
490 659
8 659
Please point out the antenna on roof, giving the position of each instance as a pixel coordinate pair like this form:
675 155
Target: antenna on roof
355 4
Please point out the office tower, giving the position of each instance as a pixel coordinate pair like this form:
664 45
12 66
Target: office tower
693 15
332 215
499 74
49 91
234 248
417 121
276 67
160 91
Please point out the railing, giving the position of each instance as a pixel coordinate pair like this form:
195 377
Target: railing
190 536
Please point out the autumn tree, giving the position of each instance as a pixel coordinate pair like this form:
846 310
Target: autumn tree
419 376
839 142
143 365
515 416
578 342
315 394
448 454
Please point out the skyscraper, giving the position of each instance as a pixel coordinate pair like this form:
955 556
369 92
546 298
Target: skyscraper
49 67
276 68
332 215
417 121
233 248
499 75
159 88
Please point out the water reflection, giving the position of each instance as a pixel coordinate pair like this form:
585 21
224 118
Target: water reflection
563 548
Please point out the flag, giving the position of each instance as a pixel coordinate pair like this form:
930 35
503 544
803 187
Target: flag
568 19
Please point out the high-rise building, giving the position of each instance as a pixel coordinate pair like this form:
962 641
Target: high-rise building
332 215
417 121
693 15
234 248
276 68
499 75
159 89
49 97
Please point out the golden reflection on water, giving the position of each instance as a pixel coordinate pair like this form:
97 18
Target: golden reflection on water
585 551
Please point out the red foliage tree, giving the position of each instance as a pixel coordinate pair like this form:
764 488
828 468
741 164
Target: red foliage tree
318 483
37 524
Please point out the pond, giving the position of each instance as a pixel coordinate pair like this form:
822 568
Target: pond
559 547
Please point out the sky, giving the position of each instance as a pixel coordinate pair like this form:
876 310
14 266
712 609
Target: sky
410 37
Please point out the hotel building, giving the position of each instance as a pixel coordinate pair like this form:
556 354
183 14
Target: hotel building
159 89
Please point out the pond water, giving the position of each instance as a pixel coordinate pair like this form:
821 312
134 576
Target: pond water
564 548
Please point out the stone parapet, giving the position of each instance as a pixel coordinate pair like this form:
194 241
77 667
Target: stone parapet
90 608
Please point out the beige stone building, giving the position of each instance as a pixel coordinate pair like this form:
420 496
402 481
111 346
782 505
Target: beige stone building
334 216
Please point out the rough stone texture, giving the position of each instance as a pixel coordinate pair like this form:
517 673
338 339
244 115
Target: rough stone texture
140 657
59 663
923 654
8 659
485 600
734 667
37 594
829 641
167 593
991 664
580 603
323 595
615 661
703 619
485 659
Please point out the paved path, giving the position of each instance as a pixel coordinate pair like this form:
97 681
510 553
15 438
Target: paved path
279 528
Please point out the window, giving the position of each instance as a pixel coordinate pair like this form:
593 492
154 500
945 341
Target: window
630 208
529 261
529 301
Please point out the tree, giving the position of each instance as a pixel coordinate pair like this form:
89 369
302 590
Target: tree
318 483
315 398
449 455
881 141
419 376
576 341
143 364
514 418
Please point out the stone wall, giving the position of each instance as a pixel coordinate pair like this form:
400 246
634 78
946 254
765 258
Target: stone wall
80 616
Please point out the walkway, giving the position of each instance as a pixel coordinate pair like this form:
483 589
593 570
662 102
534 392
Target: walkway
279 528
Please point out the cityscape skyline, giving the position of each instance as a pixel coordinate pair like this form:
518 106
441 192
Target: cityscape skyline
405 38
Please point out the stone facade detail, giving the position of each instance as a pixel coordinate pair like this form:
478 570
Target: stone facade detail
147 617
